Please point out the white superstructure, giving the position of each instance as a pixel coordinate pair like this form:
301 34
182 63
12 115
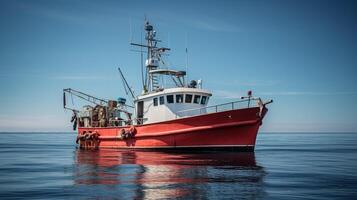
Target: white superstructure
158 103
169 103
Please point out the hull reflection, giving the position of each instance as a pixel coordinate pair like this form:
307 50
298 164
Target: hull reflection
155 175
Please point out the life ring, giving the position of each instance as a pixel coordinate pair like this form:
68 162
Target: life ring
79 138
95 135
122 133
87 136
88 140
132 130
129 133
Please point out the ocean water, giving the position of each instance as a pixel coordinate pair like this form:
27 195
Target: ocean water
283 166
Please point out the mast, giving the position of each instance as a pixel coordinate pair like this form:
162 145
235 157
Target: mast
153 58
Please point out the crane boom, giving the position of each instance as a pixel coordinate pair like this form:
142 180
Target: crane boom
125 84
84 96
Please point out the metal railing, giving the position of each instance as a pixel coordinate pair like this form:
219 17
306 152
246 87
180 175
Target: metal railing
116 123
123 122
245 103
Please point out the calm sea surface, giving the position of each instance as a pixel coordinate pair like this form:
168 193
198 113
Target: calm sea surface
284 166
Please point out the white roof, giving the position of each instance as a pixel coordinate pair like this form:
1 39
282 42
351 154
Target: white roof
168 72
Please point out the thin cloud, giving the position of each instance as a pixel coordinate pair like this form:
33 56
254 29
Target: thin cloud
51 13
198 22
309 127
62 15
206 23
248 83
20 75
40 122
64 77
260 83
82 77
214 26
224 94
298 93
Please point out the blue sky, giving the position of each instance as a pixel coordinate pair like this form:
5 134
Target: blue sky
302 54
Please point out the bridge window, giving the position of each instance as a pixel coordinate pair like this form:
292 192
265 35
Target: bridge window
162 100
188 98
203 100
155 101
170 98
196 99
179 98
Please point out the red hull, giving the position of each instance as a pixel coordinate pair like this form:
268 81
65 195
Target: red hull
222 130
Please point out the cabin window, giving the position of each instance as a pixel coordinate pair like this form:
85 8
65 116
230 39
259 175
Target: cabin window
179 98
155 101
196 99
170 98
203 100
162 100
188 98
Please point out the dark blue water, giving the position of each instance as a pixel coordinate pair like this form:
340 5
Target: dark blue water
284 166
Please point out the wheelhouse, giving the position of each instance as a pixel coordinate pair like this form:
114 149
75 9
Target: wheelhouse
167 104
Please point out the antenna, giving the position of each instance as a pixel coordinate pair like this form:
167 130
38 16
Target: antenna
142 62
187 57
131 33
